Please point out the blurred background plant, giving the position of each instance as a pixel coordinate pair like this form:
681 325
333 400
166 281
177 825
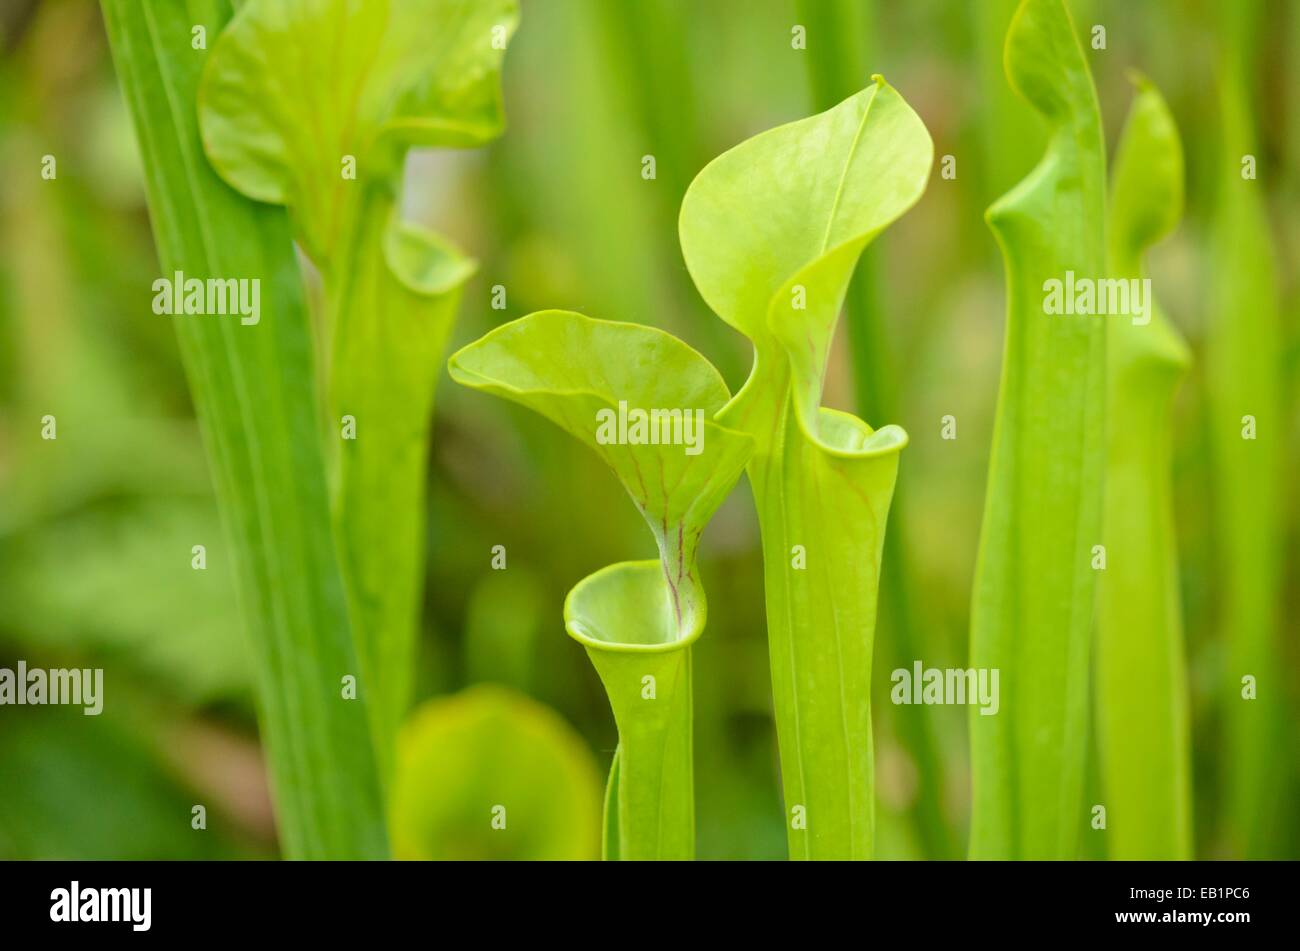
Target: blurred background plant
96 527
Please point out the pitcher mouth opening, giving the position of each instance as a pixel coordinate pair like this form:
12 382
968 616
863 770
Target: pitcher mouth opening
630 606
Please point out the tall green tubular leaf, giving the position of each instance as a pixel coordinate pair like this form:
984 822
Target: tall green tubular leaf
636 619
1032 610
313 105
1141 672
841 42
771 232
1243 380
252 387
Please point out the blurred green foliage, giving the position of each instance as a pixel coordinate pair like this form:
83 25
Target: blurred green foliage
96 527
491 774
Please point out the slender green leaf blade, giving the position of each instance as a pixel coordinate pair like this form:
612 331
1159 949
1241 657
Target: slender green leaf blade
253 389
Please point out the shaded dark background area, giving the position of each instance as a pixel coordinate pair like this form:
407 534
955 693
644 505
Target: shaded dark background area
96 529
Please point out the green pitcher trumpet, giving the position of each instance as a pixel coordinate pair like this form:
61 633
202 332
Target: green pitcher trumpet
636 619
772 231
